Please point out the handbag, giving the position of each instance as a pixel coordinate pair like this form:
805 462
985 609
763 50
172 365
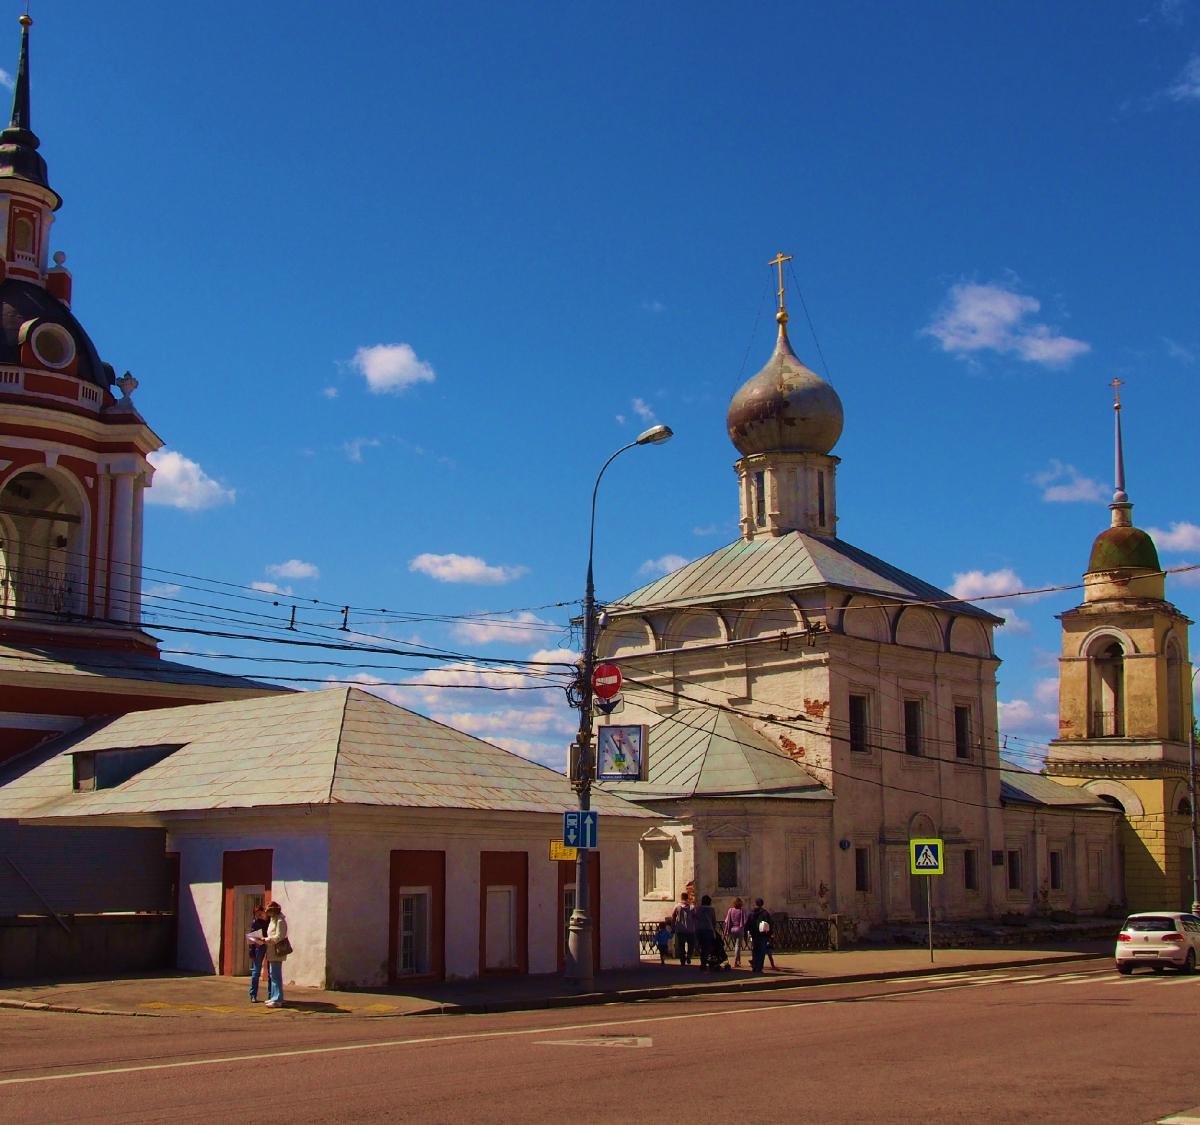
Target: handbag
283 947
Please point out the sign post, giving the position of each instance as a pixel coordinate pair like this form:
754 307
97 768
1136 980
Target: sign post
927 857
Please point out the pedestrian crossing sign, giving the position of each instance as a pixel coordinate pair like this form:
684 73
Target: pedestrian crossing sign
926 857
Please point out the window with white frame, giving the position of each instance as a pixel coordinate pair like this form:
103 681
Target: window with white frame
412 930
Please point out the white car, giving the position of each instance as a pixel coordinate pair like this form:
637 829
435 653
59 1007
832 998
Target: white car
1159 938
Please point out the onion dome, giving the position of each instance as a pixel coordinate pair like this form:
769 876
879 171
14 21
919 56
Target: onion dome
786 407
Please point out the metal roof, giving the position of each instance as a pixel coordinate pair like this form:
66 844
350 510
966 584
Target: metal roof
337 746
703 752
1024 787
780 564
117 664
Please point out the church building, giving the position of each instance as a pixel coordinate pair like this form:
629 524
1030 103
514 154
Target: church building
814 708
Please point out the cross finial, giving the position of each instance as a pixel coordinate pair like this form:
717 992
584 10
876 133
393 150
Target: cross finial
777 261
1116 385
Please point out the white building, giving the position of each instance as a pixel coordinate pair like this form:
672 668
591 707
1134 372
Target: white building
398 848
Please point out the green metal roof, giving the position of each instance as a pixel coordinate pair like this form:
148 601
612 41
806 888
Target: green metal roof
703 752
784 563
1024 787
1123 548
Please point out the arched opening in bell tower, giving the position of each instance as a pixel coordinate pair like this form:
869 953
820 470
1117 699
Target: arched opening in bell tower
1174 691
40 553
1106 689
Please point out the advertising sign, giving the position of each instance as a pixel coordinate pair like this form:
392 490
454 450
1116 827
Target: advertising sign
622 752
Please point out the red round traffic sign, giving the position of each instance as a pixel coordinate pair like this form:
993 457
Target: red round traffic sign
606 681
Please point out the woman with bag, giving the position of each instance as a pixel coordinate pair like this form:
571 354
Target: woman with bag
735 929
278 948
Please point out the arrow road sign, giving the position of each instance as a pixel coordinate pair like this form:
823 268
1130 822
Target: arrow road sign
581 829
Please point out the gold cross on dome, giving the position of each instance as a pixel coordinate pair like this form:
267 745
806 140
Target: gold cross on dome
777 262
1116 385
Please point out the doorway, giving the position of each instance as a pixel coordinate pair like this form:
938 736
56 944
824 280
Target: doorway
245 882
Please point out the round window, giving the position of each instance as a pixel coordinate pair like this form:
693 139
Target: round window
53 345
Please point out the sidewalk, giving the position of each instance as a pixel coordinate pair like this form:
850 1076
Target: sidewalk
215 997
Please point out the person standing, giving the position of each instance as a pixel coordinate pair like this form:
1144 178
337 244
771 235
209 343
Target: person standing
735 929
256 939
278 948
759 926
683 921
706 932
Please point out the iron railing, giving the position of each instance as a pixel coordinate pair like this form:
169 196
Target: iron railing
788 934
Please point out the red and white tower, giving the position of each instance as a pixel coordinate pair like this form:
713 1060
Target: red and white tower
73 470
73 455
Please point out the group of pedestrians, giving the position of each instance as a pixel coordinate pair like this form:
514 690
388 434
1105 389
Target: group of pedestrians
693 929
268 943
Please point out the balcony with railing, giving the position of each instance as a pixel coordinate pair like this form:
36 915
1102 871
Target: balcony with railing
40 592
1107 724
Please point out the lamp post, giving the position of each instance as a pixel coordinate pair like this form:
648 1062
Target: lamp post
579 929
1192 803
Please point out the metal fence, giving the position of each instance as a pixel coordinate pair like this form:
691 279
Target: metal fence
788 934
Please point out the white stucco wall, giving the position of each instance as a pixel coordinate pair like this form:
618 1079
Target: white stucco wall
360 868
299 883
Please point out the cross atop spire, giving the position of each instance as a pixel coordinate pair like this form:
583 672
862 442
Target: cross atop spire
781 314
19 156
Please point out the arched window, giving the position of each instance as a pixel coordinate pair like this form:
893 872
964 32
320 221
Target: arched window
40 532
1184 808
1106 690
1174 692
23 234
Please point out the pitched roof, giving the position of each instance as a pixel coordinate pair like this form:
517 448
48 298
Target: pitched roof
703 752
116 664
778 564
340 746
1020 786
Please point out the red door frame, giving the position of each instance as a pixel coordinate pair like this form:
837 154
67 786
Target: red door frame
418 869
505 869
240 869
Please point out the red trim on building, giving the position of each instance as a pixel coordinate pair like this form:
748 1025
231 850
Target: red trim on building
251 868
418 869
505 869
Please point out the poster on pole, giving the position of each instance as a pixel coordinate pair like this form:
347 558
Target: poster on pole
622 752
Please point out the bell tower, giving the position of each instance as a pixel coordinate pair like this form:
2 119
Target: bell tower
73 455
1125 710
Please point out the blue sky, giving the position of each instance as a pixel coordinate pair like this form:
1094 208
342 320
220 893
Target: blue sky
396 280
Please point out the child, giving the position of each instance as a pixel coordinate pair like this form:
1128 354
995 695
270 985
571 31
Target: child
662 940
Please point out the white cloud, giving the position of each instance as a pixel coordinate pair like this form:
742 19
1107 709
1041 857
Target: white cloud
1181 537
513 628
354 448
180 483
6 79
330 392
271 588
1186 577
973 584
654 306
1178 351
465 568
1021 715
977 318
1045 692
293 568
663 565
1064 484
642 409
391 368
1186 88
161 590
707 529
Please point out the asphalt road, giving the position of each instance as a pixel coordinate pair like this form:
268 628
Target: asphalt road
1070 1043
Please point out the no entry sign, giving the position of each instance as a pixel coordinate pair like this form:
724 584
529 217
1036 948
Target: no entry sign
606 681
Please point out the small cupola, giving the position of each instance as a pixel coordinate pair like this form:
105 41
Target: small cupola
784 421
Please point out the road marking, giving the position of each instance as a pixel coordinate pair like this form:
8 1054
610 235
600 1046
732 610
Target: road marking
1186 1117
601 1041
421 1040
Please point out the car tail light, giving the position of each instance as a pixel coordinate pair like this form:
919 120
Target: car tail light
1124 937
1172 937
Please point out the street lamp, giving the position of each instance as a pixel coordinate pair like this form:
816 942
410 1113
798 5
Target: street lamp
579 929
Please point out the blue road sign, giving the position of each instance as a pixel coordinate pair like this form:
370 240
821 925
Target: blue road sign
581 829
926 857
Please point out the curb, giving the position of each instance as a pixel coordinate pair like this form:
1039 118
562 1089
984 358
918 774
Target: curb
624 996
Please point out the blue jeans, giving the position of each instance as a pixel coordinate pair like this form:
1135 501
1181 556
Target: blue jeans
275 981
257 953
